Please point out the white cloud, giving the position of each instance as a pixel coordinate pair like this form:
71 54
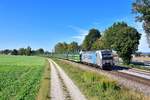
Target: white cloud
81 33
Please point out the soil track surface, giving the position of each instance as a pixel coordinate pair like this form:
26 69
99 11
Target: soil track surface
62 87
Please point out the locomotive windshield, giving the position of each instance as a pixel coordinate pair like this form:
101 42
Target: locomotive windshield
107 55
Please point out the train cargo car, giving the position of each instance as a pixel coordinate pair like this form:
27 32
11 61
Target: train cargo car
74 57
61 56
101 58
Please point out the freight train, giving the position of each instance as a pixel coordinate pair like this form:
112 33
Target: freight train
101 58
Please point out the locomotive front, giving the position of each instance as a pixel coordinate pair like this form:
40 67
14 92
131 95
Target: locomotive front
105 59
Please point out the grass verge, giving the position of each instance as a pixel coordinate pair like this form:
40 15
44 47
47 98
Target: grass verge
98 87
44 91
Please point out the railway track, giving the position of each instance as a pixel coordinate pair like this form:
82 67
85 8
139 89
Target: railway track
62 87
138 75
132 77
128 80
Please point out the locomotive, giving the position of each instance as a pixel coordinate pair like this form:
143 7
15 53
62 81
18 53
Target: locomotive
101 58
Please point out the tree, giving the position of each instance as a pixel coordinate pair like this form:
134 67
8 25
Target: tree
14 52
111 33
123 39
22 51
33 52
64 47
99 44
61 47
6 51
73 47
58 47
92 36
28 51
142 9
40 51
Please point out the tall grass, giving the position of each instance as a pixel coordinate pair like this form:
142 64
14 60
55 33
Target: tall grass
96 86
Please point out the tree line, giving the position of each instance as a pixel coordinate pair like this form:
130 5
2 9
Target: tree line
119 37
24 51
63 47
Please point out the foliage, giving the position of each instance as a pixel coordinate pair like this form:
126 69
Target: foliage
40 51
123 39
6 51
92 36
24 51
99 44
28 51
142 9
14 52
20 77
73 47
61 47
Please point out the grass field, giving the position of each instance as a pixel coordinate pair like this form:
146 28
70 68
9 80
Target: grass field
98 87
20 77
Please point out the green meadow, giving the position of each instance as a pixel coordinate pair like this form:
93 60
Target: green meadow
20 77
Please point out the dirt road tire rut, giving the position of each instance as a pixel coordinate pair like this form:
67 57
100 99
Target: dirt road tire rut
62 87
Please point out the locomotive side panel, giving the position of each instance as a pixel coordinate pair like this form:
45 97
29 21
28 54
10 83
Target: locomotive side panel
89 57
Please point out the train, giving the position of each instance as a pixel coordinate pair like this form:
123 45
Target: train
101 58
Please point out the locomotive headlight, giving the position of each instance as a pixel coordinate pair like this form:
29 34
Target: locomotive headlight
104 62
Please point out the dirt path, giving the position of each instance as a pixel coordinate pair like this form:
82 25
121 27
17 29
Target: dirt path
62 87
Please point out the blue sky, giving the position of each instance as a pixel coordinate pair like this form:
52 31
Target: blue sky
43 23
